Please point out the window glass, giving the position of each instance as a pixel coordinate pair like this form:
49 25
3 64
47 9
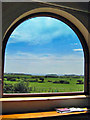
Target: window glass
43 55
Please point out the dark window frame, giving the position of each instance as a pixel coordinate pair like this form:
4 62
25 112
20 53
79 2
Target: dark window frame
85 49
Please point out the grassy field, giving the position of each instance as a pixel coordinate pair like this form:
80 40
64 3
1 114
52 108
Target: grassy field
15 83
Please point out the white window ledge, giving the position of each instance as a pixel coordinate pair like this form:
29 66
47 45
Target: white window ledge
42 98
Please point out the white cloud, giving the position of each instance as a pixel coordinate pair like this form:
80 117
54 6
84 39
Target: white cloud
75 43
78 50
40 31
44 63
34 37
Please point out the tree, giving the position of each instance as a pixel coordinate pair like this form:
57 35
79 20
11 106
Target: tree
8 88
21 87
79 82
51 76
42 79
12 79
62 81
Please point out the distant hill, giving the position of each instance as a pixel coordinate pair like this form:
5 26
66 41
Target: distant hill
51 75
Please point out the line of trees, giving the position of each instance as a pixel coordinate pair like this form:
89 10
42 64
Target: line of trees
19 87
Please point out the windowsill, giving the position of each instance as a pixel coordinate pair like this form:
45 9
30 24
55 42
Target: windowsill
40 115
42 98
23 105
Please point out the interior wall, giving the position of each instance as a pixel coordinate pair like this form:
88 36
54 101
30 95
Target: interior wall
41 105
12 10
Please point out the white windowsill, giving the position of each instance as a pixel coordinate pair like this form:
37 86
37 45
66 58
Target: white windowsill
42 98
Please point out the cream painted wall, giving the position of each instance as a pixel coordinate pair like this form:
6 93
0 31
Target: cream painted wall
42 105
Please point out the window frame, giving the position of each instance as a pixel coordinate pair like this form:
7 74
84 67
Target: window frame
83 43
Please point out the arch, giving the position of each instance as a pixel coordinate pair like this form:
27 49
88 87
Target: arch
62 13
67 18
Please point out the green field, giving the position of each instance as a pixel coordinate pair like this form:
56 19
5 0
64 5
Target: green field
23 83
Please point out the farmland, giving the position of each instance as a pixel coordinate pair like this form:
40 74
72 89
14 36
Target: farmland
26 83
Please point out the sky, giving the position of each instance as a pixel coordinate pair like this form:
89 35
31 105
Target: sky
44 45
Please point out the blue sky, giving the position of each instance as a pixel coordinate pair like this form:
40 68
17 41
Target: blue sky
43 45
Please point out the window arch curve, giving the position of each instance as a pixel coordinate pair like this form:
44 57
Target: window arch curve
51 13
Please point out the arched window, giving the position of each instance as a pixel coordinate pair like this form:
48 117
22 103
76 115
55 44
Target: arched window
43 55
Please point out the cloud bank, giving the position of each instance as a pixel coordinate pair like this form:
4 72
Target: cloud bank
43 64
